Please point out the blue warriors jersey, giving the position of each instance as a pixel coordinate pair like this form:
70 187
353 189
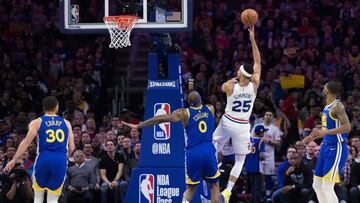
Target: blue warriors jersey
329 122
50 164
200 127
53 134
252 161
200 159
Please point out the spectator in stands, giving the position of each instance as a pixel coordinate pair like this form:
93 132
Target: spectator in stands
80 180
310 156
253 162
110 135
355 183
120 140
297 182
281 173
77 141
135 136
272 139
129 157
115 124
300 149
93 163
290 108
10 152
85 138
90 127
17 186
111 172
137 150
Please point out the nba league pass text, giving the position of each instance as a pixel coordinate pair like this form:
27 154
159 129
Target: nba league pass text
156 190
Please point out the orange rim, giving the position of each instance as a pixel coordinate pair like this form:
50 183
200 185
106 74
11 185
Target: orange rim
122 18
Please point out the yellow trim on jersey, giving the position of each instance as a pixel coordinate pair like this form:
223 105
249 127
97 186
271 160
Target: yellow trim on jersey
188 112
36 185
190 182
331 116
196 108
215 176
57 191
40 119
327 177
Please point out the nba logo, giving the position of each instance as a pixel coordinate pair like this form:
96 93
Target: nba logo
162 131
146 188
75 13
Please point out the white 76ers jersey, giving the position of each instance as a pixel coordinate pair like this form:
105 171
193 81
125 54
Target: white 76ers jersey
241 102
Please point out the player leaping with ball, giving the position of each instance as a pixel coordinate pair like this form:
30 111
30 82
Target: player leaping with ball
234 124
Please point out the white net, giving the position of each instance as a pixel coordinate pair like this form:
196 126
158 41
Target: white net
120 28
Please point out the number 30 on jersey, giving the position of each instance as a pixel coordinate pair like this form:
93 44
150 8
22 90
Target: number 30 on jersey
57 135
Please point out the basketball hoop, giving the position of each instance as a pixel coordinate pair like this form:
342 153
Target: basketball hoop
120 28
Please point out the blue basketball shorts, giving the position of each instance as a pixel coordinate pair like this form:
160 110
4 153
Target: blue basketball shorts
201 163
50 171
331 161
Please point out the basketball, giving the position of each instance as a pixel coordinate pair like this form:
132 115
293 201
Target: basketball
249 17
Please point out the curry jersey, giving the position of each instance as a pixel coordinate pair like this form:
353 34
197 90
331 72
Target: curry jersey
329 122
53 134
240 103
200 126
51 162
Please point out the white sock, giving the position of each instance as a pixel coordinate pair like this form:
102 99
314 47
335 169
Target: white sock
230 185
39 196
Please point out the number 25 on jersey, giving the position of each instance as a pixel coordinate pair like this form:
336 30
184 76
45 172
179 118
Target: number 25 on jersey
245 106
53 136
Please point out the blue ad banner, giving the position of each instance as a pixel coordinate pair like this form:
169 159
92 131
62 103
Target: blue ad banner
162 185
162 145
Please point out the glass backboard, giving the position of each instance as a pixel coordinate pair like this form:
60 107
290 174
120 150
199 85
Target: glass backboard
86 16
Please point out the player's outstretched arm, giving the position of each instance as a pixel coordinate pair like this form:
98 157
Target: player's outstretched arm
175 116
33 129
338 111
256 56
71 142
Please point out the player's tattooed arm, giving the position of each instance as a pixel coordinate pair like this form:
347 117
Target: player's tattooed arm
256 56
338 111
175 116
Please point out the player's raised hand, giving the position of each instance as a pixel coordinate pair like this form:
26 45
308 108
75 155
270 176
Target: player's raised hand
10 165
252 32
308 139
130 124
